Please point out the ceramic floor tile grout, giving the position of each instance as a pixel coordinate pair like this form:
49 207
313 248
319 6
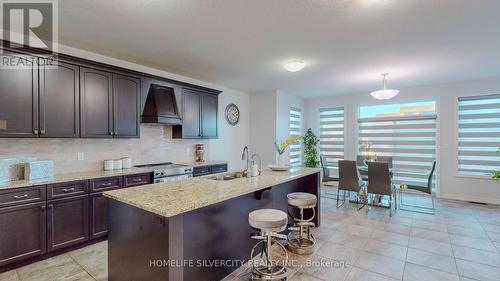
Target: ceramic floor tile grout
75 261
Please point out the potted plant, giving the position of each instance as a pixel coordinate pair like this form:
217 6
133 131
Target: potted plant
310 149
496 174
280 149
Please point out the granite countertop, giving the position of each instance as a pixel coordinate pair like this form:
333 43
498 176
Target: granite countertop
169 199
73 177
201 164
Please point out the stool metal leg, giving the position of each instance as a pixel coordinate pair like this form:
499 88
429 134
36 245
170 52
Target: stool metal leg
301 241
269 269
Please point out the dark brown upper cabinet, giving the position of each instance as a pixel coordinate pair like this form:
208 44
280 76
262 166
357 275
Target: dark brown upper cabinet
19 97
59 93
191 125
199 115
126 106
209 106
96 103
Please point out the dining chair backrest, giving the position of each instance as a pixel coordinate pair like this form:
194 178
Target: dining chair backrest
326 171
431 176
379 178
360 160
348 176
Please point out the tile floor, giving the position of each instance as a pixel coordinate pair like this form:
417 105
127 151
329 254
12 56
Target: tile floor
461 242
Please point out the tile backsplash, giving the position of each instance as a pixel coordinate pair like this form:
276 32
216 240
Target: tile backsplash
155 145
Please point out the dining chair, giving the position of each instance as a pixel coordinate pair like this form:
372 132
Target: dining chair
327 178
426 189
380 183
349 181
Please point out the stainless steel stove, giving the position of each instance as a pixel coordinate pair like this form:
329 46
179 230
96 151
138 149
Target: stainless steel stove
169 171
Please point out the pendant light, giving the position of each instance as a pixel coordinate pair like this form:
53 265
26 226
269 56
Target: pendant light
385 94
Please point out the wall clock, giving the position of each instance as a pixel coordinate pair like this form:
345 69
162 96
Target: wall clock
232 114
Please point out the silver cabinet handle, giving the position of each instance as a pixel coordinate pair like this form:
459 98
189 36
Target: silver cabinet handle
106 184
21 196
136 180
42 132
69 189
35 132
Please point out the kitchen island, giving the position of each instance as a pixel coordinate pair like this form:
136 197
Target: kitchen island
194 229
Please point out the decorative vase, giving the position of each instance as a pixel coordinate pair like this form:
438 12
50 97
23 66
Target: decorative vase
280 159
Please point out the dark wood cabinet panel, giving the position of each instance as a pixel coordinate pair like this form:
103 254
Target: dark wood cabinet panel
23 195
191 120
96 103
67 222
199 118
19 97
209 105
201 171
59 100
138 179
66 189
98 215
23 232
102 184
126 95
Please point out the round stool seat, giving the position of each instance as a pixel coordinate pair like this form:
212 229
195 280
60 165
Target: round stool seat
302 199
268 220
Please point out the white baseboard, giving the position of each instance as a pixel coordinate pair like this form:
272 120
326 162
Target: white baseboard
460 197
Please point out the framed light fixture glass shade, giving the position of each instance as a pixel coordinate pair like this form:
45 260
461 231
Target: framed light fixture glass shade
385 94
294 66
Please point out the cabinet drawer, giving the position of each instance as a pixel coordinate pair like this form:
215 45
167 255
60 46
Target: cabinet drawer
201 171
221 168
22 195
66 189
139 179
105 184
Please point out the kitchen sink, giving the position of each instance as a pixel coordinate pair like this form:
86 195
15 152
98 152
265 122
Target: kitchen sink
227 176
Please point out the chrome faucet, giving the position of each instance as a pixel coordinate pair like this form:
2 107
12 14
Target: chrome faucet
244 156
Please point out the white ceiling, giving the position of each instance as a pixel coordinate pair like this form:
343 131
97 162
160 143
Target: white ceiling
243 43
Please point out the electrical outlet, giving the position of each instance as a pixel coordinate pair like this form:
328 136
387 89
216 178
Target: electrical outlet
81 156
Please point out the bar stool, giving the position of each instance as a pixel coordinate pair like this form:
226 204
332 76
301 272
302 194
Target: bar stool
269 222
300 239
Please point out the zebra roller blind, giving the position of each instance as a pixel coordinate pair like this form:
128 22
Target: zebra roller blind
331 132
478 135
406 132
295 131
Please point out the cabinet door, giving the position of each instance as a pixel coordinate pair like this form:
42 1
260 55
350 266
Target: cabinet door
98 215
59 101
18 97
67 222
23 232
191 121
209 105
96 99
126 94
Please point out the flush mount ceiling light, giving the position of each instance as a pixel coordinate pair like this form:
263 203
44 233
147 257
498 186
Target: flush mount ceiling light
294 66
385 94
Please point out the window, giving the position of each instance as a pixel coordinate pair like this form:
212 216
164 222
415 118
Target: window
331 131
295 131
406 132
478 135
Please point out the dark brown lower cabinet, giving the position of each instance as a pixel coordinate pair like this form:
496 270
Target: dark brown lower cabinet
98 215
22 232
67 222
